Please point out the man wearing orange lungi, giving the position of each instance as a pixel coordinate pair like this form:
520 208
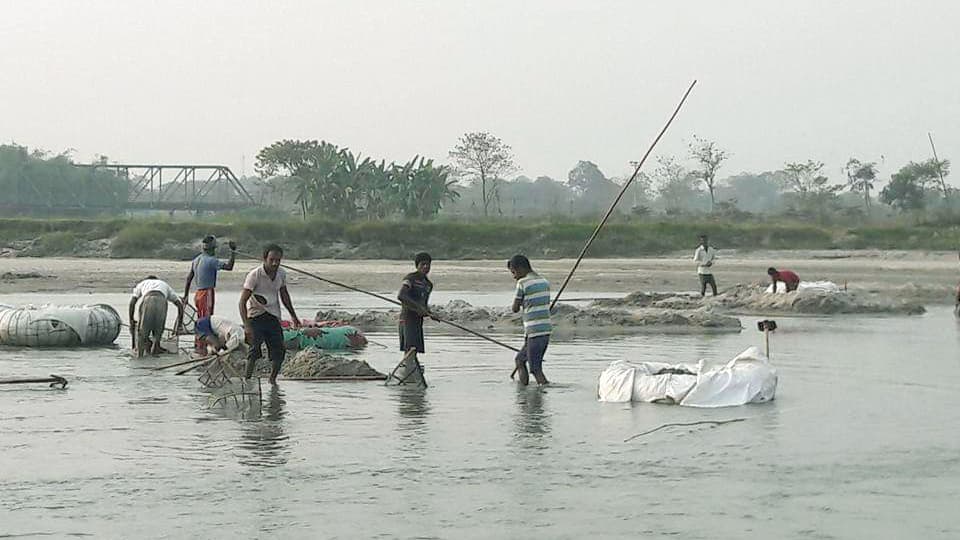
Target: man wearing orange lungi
205 267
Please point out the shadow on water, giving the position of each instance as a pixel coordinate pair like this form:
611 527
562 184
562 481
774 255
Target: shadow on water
532 421
264 442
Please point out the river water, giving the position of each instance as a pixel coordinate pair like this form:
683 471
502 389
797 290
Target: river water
861 442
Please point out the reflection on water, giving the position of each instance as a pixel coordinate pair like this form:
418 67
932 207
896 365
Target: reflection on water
412 408
265 442
532 422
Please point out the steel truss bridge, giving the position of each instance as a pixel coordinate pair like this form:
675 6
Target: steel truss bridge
180 187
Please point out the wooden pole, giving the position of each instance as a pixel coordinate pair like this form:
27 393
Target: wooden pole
54 380
198 365
626 185
937 161
185 362
766 341
606 216
390 300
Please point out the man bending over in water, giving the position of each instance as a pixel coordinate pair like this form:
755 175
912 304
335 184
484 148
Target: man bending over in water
533 296
153 295
219 334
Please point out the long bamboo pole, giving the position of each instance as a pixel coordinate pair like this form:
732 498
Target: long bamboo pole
54 380
183 363
386 299
620 195
606 216
937 161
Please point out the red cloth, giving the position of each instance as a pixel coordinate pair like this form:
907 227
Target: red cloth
203 299
787 276
311 323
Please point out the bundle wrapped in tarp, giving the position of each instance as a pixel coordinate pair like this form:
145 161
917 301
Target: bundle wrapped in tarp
809 286
59 326
748 378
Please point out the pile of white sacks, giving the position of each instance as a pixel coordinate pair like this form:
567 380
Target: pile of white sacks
811 286
748 378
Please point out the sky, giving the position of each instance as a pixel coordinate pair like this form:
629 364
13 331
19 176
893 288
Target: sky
560 81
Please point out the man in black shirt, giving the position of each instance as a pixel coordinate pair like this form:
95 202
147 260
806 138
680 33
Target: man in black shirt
415 296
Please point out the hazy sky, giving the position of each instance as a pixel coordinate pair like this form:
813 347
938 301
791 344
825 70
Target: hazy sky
560 81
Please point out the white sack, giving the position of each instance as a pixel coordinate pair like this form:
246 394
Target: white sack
622 382
748 378
812 286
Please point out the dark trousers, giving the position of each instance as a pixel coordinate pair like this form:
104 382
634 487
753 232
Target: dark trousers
411 334
266 329
707 279
532 353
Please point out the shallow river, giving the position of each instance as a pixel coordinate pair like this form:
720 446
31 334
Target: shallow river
863 441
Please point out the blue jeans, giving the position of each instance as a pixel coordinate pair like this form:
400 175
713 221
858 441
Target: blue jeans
532 353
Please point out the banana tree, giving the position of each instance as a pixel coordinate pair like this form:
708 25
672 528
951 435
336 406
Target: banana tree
422 188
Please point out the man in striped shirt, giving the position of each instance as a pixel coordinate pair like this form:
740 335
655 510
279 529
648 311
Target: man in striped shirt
533 295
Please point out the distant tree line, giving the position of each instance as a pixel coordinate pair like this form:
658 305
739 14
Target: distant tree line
318 178
802 190
40 180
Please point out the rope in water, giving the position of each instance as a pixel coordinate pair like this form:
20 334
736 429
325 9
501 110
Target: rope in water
681 424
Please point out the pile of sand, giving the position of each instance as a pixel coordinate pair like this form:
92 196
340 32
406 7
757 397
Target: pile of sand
566 318
310 363
753 298
747 298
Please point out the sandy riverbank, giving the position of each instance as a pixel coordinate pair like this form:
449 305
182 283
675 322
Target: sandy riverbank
929 277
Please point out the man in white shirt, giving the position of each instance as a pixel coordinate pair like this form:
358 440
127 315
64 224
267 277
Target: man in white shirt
704 256
263 290
153 295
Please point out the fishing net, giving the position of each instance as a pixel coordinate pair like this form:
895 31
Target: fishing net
408 372
227 385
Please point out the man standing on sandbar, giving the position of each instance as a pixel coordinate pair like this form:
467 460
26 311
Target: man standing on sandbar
704 257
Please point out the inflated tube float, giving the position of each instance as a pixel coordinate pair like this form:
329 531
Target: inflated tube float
59 326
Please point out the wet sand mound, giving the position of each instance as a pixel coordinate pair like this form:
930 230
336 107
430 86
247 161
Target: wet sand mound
566 318
312 363
754 299
921 294
643 299
751 298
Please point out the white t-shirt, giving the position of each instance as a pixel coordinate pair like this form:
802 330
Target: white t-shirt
155 285
229 333
260 283
702 257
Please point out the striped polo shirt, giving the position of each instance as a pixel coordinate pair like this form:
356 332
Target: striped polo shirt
534 293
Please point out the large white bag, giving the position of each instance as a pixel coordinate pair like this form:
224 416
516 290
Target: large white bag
811 286
748 378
